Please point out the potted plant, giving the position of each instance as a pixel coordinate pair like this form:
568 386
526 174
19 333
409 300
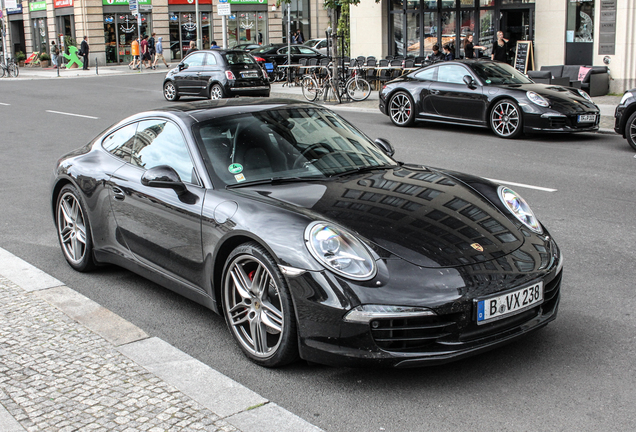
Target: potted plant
20 57
44 60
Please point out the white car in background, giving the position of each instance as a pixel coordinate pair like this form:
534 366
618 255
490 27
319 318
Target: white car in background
318 44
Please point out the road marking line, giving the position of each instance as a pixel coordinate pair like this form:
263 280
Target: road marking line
5 104
524 185
74 115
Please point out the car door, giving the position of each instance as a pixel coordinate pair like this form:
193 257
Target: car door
213 71
160 228
452 98
424 78
187 79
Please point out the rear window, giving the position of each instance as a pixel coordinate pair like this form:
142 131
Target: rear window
239 57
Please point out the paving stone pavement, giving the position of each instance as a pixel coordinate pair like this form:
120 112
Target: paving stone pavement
56 375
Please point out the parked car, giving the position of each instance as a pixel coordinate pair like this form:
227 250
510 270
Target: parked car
277 53
307 236
319 45
246 46
216 74
487 94
625 117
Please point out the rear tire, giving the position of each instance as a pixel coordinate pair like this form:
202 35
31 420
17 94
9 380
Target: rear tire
630 130
216 92
358 89
402 109
310 88
74 229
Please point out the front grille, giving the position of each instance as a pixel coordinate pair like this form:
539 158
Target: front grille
410 333
557 122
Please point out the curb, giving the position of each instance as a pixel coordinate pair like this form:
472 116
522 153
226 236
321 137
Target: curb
234 403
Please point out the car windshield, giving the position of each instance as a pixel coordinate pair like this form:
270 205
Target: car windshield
499 73
239 57
311 42
263 50
284 144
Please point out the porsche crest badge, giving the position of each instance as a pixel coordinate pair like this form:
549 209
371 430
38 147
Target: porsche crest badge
477 247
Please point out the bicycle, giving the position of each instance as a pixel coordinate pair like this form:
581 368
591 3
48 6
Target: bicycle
314 86
9 68
357 88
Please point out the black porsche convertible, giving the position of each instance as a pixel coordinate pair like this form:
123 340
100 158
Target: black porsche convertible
310 238
490 94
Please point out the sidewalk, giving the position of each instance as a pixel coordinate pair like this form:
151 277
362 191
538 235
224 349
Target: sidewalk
69 364
607 104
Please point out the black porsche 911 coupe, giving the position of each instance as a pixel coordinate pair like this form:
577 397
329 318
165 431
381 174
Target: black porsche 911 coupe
490 94
308 237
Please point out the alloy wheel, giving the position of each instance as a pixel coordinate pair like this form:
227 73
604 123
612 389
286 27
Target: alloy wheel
630 130
169 91
505 119
216 92
401 109
253 306
71 228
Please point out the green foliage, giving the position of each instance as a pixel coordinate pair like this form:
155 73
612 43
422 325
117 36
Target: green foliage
45 56
20 56
344 29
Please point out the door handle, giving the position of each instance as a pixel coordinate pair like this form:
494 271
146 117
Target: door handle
434 91
119 194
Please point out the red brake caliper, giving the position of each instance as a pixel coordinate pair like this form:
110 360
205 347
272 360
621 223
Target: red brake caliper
251 274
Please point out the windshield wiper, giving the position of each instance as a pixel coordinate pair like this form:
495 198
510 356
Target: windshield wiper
361 169
275 181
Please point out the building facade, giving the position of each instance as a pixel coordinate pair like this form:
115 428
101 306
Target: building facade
578 32
111 27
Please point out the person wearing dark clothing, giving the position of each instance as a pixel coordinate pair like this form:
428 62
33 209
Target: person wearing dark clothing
500 48
436 55
214 45
448 53
469 47
192 48
298 38
84 52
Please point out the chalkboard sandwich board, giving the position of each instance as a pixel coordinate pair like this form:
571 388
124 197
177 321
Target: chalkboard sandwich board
524 57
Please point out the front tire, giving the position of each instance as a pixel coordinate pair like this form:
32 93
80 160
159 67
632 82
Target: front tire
310 88
170 91
402 109
630 130
73 229
358 89
258 308
216 92
506 120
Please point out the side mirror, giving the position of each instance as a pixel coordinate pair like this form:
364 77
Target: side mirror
385 146
468 80
163 176
182 66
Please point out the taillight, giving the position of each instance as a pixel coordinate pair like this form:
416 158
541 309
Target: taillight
259 59
229 75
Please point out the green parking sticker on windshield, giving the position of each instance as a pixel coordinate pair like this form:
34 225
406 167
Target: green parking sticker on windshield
235 168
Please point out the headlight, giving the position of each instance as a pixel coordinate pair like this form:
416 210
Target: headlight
626 96
585 95
520 208
339 251
537 99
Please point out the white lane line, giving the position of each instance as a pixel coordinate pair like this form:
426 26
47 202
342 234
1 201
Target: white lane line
524 185
5 104
71 114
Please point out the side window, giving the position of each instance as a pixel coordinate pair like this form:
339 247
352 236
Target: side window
295 50
160 142
453 74
427 74
120 142
210 59
322 44
195 59
282 50
304 50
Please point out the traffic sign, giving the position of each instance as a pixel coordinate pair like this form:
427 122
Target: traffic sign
223 9
222 1
132 5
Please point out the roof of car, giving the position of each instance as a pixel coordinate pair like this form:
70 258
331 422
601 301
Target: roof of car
205 110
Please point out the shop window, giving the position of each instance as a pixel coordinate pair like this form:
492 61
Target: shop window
486 30
397 21
413 34
580 22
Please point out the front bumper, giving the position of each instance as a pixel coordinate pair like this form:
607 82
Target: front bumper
558 123
450 334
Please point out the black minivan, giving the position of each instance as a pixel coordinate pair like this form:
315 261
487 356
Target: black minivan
216 74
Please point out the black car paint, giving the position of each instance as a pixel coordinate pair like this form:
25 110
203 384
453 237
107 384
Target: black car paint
471 104
423 255
623 112
273 53
198 80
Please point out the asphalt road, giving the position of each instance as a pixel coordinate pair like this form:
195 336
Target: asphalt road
576 374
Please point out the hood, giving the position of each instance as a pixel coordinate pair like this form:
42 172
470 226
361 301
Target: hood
564 99
420 215
160 38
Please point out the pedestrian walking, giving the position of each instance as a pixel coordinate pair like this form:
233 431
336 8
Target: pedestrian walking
159 53
84 49
55 52
152 49
145 55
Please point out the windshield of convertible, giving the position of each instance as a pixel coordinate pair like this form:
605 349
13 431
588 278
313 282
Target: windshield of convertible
284 145
499 73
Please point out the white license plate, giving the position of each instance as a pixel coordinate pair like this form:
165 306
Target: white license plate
249 75
587 118
502 306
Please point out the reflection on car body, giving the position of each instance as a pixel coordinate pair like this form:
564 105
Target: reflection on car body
308 237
